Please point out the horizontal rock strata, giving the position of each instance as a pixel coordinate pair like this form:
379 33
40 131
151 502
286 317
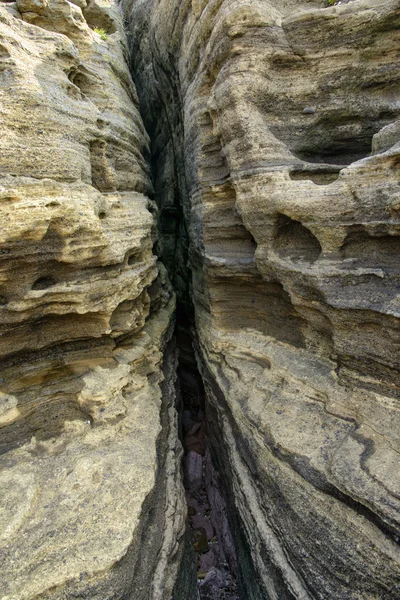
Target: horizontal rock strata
91 501
277 123
274 166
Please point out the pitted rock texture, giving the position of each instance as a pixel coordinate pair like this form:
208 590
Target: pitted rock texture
91 501
280 121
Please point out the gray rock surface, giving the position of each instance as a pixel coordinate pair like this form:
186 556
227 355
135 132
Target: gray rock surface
274 156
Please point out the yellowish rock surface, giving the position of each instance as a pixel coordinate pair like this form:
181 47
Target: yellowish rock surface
84 459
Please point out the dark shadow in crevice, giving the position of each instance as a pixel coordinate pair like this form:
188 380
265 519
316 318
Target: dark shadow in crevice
336 138
343 156
43 283
212 541
320 177
81 80
162 111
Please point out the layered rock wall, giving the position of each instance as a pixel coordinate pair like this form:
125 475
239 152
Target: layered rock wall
288 114
90 487
272 151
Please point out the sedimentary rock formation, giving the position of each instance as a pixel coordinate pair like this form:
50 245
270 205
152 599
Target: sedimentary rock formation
90 493
278 120
270 151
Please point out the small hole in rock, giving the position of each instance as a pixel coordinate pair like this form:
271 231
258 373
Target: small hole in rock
132 256
80 80
102 215
317 177
3 300
294 241
4 53
43 283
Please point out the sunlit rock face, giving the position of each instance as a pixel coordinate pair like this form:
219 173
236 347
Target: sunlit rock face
276 123
90 493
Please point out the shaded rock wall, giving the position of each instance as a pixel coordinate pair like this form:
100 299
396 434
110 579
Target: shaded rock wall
283 117
91 499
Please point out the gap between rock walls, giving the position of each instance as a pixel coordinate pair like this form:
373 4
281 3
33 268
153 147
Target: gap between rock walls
213 527
213 548
210 553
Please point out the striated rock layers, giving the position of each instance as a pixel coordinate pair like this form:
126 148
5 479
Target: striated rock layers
274 160
91 502
275 128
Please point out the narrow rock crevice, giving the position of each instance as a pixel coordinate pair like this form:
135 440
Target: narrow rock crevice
210 548
213 548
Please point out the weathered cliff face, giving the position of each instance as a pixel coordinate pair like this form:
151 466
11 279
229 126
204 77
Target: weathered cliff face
275 123
270 151
90 488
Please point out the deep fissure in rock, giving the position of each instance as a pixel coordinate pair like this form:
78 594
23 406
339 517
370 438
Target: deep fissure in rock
211 546
212 542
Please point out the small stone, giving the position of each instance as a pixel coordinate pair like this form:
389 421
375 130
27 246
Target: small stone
194 470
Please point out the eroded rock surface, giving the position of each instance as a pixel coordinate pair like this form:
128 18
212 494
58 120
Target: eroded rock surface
275 158
275 125
91 501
